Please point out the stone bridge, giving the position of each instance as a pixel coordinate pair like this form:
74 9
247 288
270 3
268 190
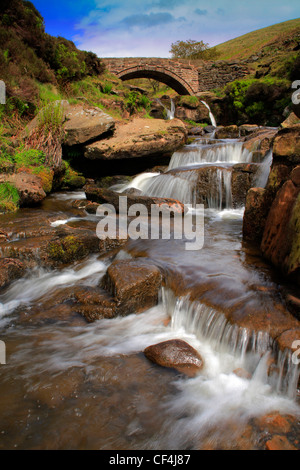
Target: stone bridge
183 76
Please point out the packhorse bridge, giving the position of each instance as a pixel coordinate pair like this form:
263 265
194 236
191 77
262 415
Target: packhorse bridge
181 75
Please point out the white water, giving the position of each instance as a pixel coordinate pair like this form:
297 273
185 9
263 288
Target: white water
41 282
264 171
221 152
211 116
170 112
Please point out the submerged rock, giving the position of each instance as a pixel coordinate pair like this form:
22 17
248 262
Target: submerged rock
176 354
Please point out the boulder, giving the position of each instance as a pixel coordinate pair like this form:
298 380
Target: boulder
10 270
228 132
287 145
133 284
280 243
291 120
85 123
176 354
260 140
30 187
256 211
139 138
81 122
247 129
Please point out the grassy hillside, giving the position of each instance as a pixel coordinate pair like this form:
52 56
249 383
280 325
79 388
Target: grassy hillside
251 43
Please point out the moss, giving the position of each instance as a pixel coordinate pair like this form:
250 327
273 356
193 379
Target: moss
294 258
72 178
67 250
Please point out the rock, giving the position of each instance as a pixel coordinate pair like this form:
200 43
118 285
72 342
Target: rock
287 144
196 131
140 138
279 443
133 284
274 423
290 121
30 187
209 129
295 175
10 270
81 123
94 304
242 179
280 243
256 211
85 123
288 339
176 354
228 132
247 129
260 141
242 373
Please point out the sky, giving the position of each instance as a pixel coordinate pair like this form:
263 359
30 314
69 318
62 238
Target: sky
147 28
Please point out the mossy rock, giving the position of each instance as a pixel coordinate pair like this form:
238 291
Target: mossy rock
67 250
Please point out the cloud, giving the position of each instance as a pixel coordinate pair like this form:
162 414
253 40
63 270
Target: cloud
220 11
201 12
148 21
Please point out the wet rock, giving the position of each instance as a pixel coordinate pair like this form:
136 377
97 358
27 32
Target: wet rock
279 443
247 129
295 175
30 187
288 340
287 145
274 423
140 138
228 132
260 140
10 270
176 354
94 304
256 211
242 373
243 178
280 243
133 284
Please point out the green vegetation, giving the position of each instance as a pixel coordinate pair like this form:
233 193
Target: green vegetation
137 102
9 198
251 43
72 178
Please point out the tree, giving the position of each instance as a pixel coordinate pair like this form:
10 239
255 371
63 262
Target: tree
191 49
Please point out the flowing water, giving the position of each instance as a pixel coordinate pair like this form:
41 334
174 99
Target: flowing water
72 385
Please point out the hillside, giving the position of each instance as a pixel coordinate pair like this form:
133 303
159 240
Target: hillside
244 46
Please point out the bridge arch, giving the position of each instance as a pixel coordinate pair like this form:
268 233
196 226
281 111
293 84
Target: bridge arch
160 74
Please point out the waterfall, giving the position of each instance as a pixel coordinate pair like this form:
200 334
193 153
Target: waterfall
231 152
264 171
211 116
179 185
170 112
253 349
221 184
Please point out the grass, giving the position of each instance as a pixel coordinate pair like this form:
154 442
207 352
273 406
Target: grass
250 43
9 198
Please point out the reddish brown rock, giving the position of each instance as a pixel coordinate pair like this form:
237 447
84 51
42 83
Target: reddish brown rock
295 175
133 284
287 144
274 423
255 215
30 187
279 443
10 270
276 243
176 354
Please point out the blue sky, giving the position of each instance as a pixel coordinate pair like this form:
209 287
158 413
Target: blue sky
147 28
